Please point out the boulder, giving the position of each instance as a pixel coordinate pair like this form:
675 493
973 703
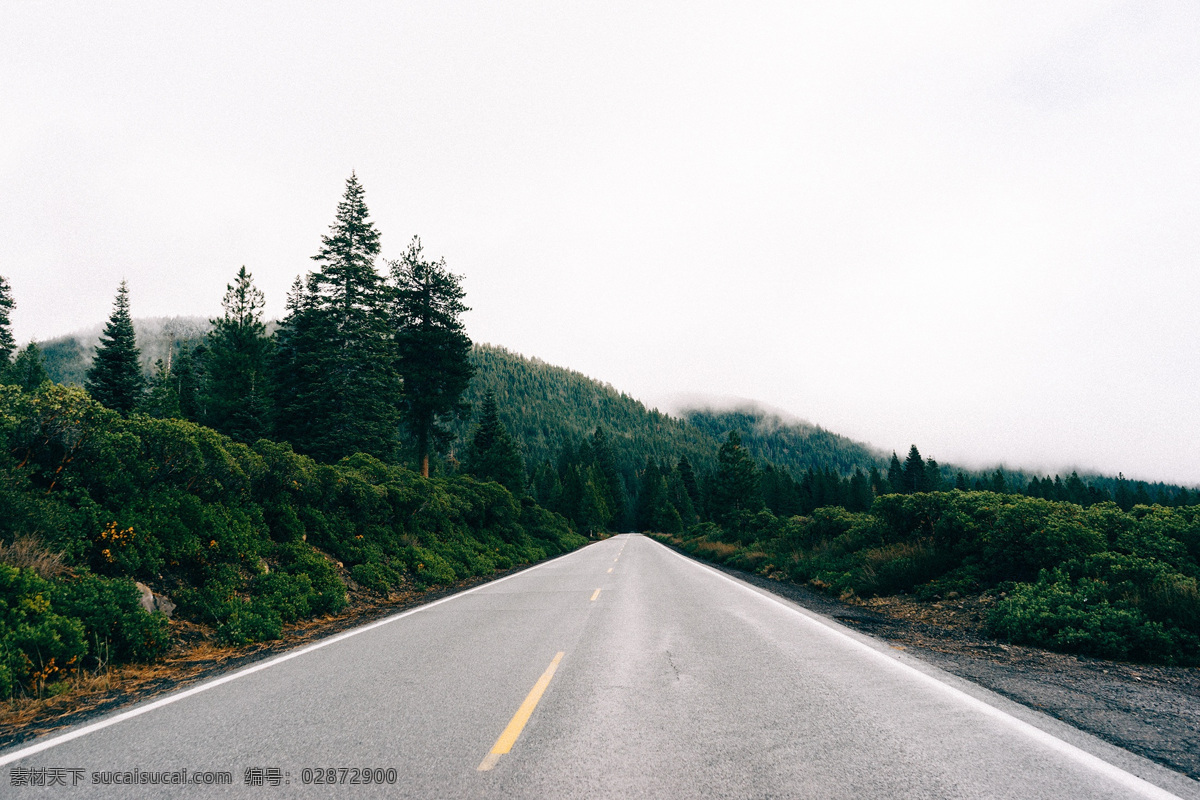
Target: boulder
154 602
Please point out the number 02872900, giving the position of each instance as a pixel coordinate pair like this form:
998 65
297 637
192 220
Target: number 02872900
349 775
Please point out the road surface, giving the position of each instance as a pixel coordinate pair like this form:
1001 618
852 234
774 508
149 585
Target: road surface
620 670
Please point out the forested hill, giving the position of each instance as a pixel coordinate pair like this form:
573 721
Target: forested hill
794 446
545 407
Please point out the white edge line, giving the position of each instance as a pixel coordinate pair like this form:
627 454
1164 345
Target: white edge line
55 741
1084 758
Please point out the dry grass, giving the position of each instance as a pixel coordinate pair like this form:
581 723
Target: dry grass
29 552
721 550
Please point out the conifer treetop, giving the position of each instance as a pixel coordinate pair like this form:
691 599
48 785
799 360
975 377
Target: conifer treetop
243 302
115 378
348 252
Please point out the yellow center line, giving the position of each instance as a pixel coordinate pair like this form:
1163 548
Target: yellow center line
595 594
509 737
610 569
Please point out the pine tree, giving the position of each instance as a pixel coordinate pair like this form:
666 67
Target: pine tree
595 515
237 399
933 476
8 344
28 371
115 378
914 472
337 382
895 477
876 481
547 487
735 485
293 369
431 345
493 455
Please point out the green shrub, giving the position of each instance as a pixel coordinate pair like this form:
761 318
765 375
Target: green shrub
328 591
113 618
1076 616
376 577
253 622
36 643
289 596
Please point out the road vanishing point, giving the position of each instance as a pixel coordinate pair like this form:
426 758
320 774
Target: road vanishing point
621 670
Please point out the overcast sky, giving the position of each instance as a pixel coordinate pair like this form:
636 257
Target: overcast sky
972 226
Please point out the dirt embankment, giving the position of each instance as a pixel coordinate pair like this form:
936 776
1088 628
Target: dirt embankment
1149 710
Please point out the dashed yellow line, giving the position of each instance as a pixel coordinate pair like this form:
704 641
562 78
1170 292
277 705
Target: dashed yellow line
595 594
509 737
610 569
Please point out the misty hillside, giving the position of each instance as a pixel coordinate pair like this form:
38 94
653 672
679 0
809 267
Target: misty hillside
796 446
67 358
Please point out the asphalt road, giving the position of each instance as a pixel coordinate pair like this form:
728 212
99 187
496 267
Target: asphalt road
620 670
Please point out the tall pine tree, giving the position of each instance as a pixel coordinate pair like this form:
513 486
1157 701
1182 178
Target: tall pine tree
431 347
115 378
237 399
339 384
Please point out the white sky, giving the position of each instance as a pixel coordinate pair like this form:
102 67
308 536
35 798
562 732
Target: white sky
973 226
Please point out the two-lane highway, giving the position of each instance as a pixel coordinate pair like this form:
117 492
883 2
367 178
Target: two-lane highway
620 670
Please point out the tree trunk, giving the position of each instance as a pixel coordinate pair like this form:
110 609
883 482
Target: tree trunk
425 465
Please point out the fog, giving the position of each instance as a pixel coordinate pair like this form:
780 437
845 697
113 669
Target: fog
966 226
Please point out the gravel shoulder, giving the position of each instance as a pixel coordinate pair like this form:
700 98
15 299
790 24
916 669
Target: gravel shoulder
1149 710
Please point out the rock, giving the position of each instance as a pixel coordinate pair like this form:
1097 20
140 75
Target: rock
147 598
154 602
164 604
